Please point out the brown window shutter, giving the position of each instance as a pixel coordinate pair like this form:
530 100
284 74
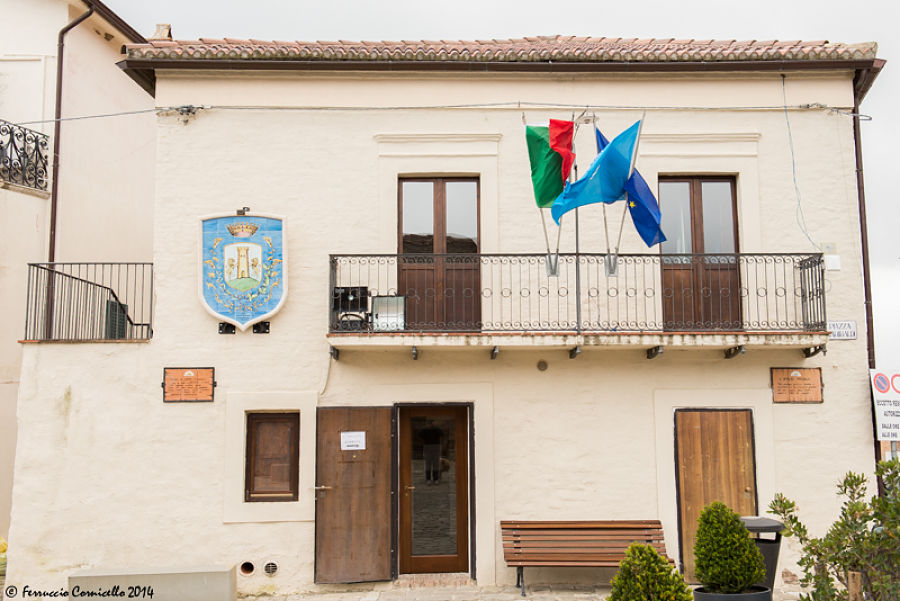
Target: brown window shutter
273 457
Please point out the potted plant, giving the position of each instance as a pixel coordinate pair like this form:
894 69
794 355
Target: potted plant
727 561
644 574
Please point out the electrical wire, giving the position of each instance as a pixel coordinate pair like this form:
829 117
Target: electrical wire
801 219
515 105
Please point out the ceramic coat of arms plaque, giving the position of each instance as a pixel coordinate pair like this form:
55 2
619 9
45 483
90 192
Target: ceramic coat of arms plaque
243 268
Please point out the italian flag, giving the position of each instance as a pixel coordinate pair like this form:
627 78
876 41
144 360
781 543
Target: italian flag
550 151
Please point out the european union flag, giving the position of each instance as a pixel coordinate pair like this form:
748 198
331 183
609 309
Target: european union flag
642 204
605 178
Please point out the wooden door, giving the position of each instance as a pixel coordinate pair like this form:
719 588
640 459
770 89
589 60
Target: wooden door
353 494
714 456
440 272
701 283
434 489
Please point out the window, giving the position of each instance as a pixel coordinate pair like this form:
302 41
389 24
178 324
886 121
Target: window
273 457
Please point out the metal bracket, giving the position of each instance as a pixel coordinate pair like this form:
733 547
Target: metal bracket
574 352
815 350
415 353
612 265
494 352
335 353
261 327
226 328
653 353
732 352
243 210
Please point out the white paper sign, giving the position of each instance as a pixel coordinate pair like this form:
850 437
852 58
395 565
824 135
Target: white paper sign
353 441
886 396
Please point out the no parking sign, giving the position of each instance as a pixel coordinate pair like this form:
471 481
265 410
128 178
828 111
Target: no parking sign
886 395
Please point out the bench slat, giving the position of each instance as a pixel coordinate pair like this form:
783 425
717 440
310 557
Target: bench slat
567 543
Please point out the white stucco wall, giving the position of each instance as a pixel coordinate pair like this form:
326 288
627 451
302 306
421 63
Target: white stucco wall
117 478
106 175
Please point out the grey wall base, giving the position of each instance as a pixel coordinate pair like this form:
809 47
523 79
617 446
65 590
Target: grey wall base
199 583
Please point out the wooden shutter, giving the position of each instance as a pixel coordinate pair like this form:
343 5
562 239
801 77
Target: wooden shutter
273 457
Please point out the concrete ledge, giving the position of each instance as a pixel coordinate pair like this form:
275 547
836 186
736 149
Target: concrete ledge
192 583
565 340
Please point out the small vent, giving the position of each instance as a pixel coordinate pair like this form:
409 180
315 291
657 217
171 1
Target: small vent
247 568
271 568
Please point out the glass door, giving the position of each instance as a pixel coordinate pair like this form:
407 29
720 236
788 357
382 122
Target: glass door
434 499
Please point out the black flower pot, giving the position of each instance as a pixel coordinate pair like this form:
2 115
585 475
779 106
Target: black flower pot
754 593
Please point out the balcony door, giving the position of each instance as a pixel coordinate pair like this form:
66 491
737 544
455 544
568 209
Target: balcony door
439 272
701 288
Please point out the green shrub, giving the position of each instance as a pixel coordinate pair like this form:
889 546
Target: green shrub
865 538
645 575
726 559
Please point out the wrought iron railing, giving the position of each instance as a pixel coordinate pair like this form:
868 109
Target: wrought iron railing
588 293
23 156
89 301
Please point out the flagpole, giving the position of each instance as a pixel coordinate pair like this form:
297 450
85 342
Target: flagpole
577 245
622 225
634 153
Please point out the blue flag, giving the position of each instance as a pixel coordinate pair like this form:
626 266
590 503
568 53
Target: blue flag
642 204
605 178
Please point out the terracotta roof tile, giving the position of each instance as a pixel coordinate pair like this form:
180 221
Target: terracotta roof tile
528 49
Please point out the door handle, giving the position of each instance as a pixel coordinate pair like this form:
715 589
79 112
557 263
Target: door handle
410 488
323 488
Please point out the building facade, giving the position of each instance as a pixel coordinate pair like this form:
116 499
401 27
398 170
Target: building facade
103 180
428 374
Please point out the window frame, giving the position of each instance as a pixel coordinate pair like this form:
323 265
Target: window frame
439 210
695 183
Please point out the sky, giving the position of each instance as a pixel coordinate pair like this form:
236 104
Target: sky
860 21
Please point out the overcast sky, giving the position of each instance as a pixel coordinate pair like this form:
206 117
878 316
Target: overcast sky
860 21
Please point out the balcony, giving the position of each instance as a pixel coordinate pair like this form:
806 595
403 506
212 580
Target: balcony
719 301
23 156
89 302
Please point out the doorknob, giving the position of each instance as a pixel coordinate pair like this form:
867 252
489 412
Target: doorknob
410 488
323 488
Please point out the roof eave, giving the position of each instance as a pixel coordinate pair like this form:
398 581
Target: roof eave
116 21
142 76
152 64
865 77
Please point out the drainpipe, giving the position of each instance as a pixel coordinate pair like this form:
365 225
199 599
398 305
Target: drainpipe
864 236
54 183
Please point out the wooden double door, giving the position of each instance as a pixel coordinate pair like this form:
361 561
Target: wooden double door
440 268
700 267
392 491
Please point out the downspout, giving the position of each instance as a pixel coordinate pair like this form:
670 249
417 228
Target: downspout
864 236
54 183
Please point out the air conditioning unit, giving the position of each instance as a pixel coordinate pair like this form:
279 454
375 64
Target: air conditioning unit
388 313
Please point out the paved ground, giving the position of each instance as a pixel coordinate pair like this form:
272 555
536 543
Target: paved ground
536 593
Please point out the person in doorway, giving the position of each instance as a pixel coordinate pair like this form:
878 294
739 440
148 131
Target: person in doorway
431 448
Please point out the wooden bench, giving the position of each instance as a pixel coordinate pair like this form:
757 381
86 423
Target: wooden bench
570 543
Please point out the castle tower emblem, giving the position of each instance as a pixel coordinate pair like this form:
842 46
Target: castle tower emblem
243 268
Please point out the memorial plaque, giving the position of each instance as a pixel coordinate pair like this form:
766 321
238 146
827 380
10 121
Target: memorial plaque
188 384
796 385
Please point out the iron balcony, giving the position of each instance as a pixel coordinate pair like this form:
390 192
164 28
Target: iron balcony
586 293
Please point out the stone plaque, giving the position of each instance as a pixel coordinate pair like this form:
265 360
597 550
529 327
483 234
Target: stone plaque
188 384
796 385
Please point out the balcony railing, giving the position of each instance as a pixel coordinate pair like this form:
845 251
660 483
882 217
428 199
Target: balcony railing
23 156
89 301
588 293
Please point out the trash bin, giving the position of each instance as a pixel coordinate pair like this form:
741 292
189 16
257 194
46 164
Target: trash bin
769 547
